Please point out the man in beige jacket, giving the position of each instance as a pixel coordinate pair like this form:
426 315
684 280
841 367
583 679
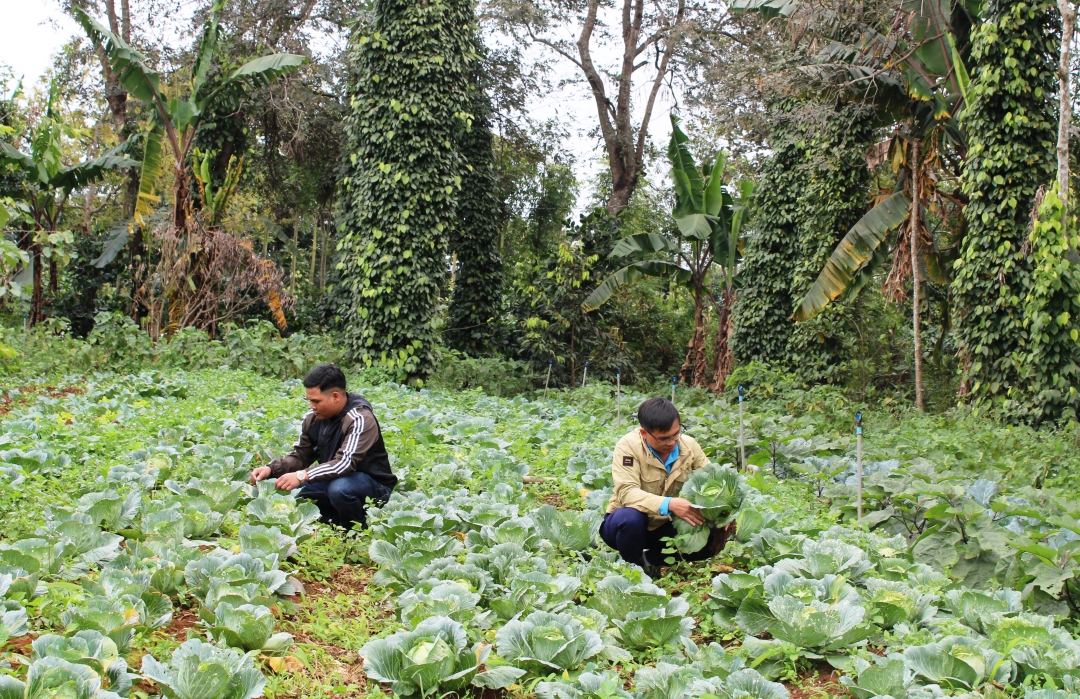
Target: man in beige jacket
649 467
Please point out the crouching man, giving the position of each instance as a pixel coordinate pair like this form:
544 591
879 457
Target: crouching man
341 435
650 466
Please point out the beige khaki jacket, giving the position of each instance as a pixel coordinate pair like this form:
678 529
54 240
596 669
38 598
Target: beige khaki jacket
642 482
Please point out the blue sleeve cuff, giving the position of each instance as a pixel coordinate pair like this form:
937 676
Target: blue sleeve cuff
664 507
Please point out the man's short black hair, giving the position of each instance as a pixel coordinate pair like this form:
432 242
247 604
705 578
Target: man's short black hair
325 377
657 414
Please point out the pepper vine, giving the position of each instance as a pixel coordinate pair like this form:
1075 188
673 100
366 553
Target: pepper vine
1011 124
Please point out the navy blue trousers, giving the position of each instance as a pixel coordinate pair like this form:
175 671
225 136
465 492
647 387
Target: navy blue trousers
343 500
627 531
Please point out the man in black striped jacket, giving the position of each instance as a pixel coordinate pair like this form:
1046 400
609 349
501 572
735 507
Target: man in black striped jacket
341 436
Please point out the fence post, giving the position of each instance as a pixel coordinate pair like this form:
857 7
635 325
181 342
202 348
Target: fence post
548 379
742 432
585 374
858 464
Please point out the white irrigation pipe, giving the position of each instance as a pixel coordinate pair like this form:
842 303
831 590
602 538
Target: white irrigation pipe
858 464
548 379
585 373
742 432
674 380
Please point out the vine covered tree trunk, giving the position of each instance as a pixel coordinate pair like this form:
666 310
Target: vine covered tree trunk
1068 29
761 326
1012 130
478 281
403 177
833 185
914 225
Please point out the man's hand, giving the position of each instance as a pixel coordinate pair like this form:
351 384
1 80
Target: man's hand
287 482
680 507
260 473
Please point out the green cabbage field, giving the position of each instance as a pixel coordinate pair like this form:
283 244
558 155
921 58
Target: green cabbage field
137 561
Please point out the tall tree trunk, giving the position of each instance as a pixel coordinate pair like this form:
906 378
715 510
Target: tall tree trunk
914 225
692 371
36 302
723 361
1068 28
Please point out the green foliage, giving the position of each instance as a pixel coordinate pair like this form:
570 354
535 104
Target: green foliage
1050 367
762 328
551 295
1011 125
414 65
813 190
474 239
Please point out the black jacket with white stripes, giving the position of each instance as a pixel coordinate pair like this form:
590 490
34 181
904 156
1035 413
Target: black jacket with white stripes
349 441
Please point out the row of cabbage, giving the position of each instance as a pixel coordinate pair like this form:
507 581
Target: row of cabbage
115 565
520 597
492 592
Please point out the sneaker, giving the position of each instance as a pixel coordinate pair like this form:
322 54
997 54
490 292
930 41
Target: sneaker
650 568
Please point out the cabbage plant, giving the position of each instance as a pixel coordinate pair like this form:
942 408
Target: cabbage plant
53 677
667 681
450 599
544 642
716 492
572 530
534 590
266 542
13 623
248 627
616 597
400 564
92 649
240 569
296 517
200 670
433 658
658 627
517 530
588 685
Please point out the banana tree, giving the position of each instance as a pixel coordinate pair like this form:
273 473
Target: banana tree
175 120
706 236
914 74
47 184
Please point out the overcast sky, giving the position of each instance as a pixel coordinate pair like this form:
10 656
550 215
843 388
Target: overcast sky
34 30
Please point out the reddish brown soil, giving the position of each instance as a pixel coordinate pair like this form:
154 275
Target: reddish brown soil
28 393
20 645
555 500
823 684
182 621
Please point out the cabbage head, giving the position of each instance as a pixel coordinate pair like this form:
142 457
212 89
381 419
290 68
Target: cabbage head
200 670
248 627
92 649
432 659
716 492
56 677
545 642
